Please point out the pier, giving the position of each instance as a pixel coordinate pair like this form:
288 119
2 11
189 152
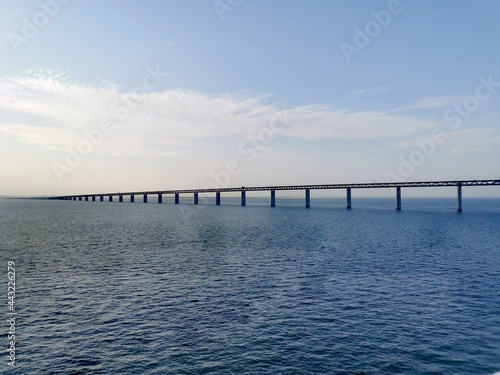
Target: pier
398 186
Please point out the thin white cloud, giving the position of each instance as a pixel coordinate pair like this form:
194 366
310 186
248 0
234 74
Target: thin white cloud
377 90
383 89
431 102
319 122
437 102
51 138
460 141
358 92
158 122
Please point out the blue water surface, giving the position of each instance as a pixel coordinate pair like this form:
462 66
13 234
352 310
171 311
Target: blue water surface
133 288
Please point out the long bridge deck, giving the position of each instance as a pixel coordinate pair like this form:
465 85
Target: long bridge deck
307 188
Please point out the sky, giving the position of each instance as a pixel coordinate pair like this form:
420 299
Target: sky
133 95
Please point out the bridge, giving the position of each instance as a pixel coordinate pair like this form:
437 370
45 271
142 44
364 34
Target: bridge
272 189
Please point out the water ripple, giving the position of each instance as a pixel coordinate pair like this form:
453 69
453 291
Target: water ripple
136 289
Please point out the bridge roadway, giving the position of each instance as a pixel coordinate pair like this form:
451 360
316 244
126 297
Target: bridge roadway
307 188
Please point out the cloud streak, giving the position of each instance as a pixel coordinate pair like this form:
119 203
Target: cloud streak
60 110
430 103
462 141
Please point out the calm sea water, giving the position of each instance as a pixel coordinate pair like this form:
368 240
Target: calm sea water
120 288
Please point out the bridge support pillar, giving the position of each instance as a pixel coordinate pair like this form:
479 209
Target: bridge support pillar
144 198
93 198
132 198
86 199
195 198
273 198
101 198
217 198
349 199
120 198
160 198
308 198
398 198
243 198
459 197
79 198
111 198
176 198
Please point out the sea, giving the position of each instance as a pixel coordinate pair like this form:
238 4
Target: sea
134 288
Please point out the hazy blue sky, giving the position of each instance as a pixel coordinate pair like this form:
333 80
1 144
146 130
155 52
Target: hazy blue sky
117 95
